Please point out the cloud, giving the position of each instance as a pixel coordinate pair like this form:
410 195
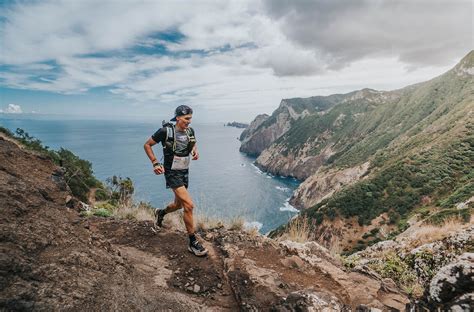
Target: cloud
419 33
12 109
226 54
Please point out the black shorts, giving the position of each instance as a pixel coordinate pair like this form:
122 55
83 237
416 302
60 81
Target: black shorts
176 178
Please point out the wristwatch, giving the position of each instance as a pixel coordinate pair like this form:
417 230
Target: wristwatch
157 164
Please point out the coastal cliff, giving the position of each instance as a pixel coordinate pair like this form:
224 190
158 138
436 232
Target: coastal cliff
370 154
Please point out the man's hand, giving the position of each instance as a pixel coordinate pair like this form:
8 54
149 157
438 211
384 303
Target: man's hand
195 155
158 169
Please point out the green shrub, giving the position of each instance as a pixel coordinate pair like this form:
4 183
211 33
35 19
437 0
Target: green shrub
106 205
102 212
78 174
6 131
460 194
399 188
121 189
441 216
101 195
392 266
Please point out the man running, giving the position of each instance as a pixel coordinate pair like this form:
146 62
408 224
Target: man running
179 144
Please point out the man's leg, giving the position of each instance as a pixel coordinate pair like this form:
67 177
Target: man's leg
160 213
183 197
174 205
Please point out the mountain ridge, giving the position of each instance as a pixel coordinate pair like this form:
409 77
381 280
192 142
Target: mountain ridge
373 143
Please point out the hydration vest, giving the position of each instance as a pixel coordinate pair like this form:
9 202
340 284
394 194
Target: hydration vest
169 145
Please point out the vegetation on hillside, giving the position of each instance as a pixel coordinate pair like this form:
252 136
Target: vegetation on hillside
443 174
419 142
78 172
113 199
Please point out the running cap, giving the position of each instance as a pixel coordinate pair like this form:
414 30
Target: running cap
181 111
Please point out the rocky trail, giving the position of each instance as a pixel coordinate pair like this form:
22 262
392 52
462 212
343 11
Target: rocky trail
52 258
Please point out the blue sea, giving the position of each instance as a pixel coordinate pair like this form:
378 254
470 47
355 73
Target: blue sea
224 183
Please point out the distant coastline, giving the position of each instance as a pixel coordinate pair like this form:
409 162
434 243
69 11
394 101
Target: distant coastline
236 124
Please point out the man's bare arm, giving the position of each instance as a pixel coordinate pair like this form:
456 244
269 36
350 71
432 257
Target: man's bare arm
158 169
195 152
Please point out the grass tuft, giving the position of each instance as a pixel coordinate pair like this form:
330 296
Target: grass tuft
297 230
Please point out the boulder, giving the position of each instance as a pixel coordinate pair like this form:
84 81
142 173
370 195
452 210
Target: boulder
454 283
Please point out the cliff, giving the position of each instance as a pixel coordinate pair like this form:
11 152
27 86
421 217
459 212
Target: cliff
377 156
56 258
265 130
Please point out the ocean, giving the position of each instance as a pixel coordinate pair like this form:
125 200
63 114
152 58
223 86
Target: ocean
224 183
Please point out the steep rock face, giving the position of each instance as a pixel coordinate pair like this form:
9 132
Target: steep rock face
266 132
300 165
323 184
249 131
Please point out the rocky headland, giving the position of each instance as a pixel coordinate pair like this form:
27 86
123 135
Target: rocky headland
236 124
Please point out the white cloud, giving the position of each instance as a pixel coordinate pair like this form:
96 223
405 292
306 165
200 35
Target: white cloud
419 33
234 55
12 109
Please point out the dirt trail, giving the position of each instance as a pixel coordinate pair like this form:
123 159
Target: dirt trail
165 261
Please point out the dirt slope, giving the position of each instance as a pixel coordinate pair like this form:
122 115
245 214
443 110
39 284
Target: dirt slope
51 258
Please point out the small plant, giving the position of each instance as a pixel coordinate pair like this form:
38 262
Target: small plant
350 262
206 223
394 267
135 211
102 212
101 195
236 224
442 216
297 230
106 205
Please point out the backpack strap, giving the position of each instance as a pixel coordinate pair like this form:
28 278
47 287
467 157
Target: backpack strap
191 138
169 143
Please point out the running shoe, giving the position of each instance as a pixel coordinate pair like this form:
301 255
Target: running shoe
159 216
197 249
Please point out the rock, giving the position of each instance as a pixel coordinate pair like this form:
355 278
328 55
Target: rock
463 303
321 185
453 281
312 301
293 262
196 288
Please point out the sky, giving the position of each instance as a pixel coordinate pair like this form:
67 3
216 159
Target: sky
228 60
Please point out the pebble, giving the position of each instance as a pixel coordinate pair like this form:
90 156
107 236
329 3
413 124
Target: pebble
197 288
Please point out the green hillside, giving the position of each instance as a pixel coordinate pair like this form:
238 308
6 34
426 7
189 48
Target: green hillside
358 128
419 141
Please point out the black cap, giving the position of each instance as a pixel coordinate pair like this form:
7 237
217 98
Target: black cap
181 111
